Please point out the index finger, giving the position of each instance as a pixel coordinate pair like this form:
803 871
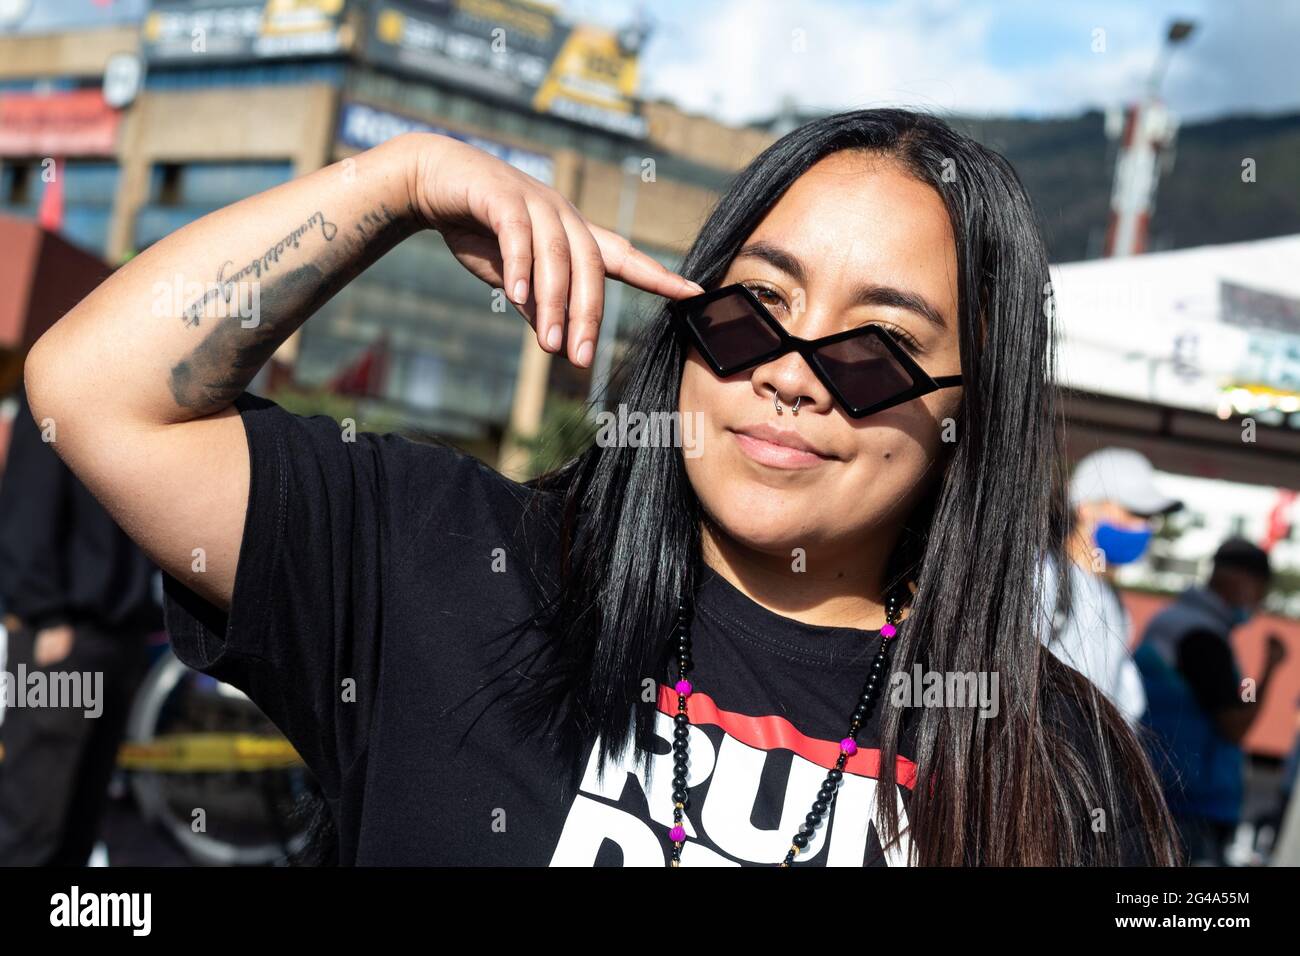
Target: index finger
625 262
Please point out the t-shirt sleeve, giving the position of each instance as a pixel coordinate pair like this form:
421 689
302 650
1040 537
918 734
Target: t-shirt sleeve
303 636
1206 663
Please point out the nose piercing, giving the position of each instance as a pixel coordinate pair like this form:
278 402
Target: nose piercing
776 399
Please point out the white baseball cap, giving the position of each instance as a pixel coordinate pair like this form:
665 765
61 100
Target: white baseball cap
1123 476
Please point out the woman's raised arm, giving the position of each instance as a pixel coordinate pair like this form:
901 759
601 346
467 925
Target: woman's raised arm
134 386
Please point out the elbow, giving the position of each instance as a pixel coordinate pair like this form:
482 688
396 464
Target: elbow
37 378
1233 725
59 378
49 377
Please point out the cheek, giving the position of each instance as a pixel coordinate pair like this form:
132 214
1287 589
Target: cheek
937 432
694 395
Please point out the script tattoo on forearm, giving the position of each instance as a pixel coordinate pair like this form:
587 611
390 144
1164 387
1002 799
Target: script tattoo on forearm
225 285
221 366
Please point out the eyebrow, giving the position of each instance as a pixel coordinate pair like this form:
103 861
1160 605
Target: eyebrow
869 294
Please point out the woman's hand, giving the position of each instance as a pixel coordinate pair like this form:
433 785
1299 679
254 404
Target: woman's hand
519 235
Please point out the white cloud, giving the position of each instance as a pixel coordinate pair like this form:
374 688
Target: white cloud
736 58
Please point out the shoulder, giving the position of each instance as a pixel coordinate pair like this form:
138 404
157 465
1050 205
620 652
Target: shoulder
396 465
316 475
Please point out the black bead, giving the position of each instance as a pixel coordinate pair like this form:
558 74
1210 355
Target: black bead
835 775
681 720
819 807
800 840
813 819
679 796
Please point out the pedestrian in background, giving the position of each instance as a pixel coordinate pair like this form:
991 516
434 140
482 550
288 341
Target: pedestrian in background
1196 704
1113 505
79 597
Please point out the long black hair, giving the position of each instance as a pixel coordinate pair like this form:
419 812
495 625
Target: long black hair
1024 788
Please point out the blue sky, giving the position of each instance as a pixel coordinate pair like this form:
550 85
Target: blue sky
737 58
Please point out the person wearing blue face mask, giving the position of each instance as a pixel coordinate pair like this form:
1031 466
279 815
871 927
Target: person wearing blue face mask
1113 502
1199 709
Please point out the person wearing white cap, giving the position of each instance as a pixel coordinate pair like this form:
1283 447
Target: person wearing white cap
1113 501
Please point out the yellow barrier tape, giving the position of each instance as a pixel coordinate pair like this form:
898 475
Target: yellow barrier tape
208 753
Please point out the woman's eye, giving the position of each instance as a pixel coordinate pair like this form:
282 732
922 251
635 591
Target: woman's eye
769 297
903 338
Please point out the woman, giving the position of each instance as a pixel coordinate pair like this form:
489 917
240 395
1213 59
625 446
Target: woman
658 655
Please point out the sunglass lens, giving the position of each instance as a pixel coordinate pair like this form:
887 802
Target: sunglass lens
864 370
733 332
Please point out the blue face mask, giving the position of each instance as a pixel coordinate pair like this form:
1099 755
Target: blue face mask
1121 545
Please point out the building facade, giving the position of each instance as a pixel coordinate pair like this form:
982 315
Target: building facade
152 113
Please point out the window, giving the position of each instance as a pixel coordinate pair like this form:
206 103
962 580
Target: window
89 187
179 193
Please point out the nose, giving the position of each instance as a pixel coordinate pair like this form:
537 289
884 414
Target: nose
789 379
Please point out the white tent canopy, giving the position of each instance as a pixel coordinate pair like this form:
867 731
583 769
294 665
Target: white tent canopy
1183 328
1192 357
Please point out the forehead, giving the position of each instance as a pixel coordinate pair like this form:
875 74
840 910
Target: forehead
855 216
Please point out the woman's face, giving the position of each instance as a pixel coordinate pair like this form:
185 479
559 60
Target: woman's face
851 226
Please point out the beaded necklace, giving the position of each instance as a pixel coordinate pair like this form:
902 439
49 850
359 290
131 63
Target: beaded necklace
848 746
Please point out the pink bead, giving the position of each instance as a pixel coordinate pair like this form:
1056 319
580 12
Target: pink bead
677 833
888 630
683 687
849 746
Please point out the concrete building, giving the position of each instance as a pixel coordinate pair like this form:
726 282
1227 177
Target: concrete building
155 112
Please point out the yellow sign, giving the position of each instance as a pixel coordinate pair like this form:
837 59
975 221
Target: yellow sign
590 68
299 16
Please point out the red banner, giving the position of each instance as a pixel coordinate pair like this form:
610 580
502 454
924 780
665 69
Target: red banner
76 123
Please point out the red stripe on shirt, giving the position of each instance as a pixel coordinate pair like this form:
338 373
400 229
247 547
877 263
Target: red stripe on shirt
773 732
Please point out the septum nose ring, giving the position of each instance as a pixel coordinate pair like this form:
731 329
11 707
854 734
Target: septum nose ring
776 398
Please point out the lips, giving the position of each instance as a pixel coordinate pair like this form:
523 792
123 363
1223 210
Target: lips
779 447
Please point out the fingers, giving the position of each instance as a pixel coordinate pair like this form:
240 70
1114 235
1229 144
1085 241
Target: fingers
586 289
551 267
625 262
514 230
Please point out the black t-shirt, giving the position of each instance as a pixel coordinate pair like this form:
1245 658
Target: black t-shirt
1206 663
371 575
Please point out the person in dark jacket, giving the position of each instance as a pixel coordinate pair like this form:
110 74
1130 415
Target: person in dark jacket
79 598
1199 708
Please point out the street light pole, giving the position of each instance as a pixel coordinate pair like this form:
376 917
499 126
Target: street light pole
627 198
1149 129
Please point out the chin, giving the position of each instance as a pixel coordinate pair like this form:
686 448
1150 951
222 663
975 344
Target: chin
768 520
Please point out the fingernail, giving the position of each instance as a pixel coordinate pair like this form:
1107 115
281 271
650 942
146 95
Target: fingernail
521 291
695 285
553 337
584 354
